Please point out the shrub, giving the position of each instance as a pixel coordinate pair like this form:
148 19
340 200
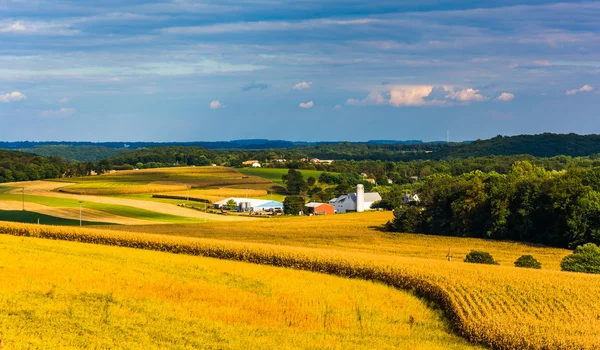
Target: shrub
406 219
479 257
528 261
585 258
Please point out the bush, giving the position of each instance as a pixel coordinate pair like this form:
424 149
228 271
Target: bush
479 257
528 261
585 258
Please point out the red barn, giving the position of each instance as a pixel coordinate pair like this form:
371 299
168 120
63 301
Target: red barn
320 209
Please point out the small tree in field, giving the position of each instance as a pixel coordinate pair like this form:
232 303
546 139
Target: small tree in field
231 204
528 261
479 257
585 258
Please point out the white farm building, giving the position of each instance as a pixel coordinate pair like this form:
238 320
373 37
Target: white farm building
250 204
358 202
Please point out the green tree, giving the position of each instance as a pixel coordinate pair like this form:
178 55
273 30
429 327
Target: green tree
293 205
585 258
407 218
295 183
231 204
311 181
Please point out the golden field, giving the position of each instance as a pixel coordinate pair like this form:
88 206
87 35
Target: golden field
354 232
500 306
92 296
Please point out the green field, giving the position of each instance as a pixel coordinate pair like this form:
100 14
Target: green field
274 174
119 210
29 217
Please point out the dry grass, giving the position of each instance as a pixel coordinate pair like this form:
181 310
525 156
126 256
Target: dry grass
357 233
503 307
88 296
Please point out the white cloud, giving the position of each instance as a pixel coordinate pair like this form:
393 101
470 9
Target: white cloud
542 63
303 85
337 107
506 96
12 97
64 100
418 95
308 104
216 104
585 88
61 113
466 95
410 95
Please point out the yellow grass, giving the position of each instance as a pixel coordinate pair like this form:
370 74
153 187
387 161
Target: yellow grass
358 232
503 307
72 295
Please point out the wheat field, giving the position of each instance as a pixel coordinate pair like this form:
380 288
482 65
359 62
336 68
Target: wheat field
499 306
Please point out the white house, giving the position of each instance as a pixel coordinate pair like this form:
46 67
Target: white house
411 198
358 202
256 165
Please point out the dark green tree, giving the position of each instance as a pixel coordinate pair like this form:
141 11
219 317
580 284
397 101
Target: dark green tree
293 205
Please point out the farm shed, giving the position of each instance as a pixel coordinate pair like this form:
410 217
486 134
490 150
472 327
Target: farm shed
250 204
320 208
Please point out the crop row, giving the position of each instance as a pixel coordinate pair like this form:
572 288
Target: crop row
486 304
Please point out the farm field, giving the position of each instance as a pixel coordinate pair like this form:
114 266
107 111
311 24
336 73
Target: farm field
35 217
158 180
274 174
357 233
503 307
119 297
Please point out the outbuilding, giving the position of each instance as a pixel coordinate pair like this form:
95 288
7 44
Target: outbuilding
319 208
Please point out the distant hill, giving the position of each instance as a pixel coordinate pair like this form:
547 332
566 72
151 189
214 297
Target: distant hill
542 145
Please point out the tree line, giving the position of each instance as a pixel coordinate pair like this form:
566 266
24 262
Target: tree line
529 203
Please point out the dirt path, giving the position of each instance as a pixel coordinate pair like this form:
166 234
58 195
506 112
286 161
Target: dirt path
48 188
73 213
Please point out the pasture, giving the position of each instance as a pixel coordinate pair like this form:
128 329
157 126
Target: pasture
106 297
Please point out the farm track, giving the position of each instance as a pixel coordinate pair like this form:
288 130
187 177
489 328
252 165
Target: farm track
481 305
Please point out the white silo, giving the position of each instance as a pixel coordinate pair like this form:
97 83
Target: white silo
360 198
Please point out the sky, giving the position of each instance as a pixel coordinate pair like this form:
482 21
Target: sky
304 70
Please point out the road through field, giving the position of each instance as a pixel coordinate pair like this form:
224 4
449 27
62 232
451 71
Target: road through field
48 189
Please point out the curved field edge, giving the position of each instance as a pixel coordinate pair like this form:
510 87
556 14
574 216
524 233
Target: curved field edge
140 299
476 310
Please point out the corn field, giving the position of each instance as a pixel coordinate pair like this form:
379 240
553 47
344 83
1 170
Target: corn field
500 307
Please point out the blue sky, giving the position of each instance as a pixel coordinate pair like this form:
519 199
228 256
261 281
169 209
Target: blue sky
184 70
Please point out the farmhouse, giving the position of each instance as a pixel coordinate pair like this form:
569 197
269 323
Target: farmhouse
359 201
320 208
411 198
250 204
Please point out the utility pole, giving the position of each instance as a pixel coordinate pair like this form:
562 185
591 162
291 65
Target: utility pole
80 222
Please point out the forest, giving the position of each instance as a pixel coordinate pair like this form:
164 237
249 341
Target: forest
529 203
18 166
